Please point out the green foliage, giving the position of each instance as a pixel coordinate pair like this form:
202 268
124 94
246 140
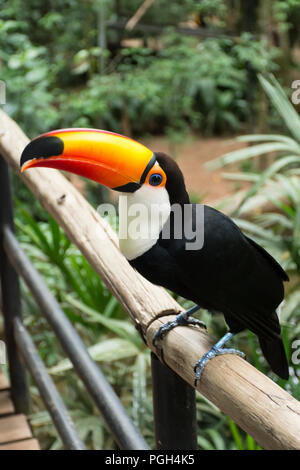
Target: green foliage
286 148
284 10
200 85
50 61
25 69
247 443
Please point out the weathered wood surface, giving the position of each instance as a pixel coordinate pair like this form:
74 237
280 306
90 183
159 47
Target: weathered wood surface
14 428
26 444
257 404
15 432
6 404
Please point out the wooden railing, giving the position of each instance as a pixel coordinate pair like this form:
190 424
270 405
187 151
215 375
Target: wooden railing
258 405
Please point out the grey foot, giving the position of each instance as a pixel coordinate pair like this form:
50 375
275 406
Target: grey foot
213 352
181 320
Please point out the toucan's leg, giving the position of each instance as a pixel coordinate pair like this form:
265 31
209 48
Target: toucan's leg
216 350
181 320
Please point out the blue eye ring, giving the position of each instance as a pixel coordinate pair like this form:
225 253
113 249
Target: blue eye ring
155 179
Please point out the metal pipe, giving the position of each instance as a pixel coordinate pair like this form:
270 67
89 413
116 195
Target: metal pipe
11 300
153 29
174 404
117 419
47 389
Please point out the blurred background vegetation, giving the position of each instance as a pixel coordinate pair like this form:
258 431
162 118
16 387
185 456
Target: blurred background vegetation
187 69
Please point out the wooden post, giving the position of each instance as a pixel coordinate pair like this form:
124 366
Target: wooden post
174 404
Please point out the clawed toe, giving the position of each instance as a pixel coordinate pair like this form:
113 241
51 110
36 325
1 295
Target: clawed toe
213 352
162 331
182 319
195 321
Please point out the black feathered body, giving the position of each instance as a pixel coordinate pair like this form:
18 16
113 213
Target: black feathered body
231 273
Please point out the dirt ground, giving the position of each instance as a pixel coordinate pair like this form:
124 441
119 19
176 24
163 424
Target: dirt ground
192 155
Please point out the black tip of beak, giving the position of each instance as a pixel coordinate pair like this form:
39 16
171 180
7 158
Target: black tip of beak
42 147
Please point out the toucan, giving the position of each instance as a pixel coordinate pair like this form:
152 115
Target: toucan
223 271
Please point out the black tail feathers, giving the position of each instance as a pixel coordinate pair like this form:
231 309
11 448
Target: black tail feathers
274 352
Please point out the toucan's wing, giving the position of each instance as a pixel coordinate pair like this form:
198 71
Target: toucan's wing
269 258
234 274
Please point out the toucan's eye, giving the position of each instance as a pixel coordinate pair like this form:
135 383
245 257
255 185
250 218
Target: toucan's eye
155 179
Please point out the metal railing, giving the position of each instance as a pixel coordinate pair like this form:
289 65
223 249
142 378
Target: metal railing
173 399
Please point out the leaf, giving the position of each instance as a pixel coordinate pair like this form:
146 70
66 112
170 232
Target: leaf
139 389
267 174
109 350
253 228
289 306
271 137
289 187
122 328
217 439
248 152
55 232
282 206
41 239
204 443
236 434
252 177
251 444
269 219
282 104
110 306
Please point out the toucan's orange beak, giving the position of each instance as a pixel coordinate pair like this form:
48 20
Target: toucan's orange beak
110 159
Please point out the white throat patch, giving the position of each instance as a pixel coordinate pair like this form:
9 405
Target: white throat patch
142 215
